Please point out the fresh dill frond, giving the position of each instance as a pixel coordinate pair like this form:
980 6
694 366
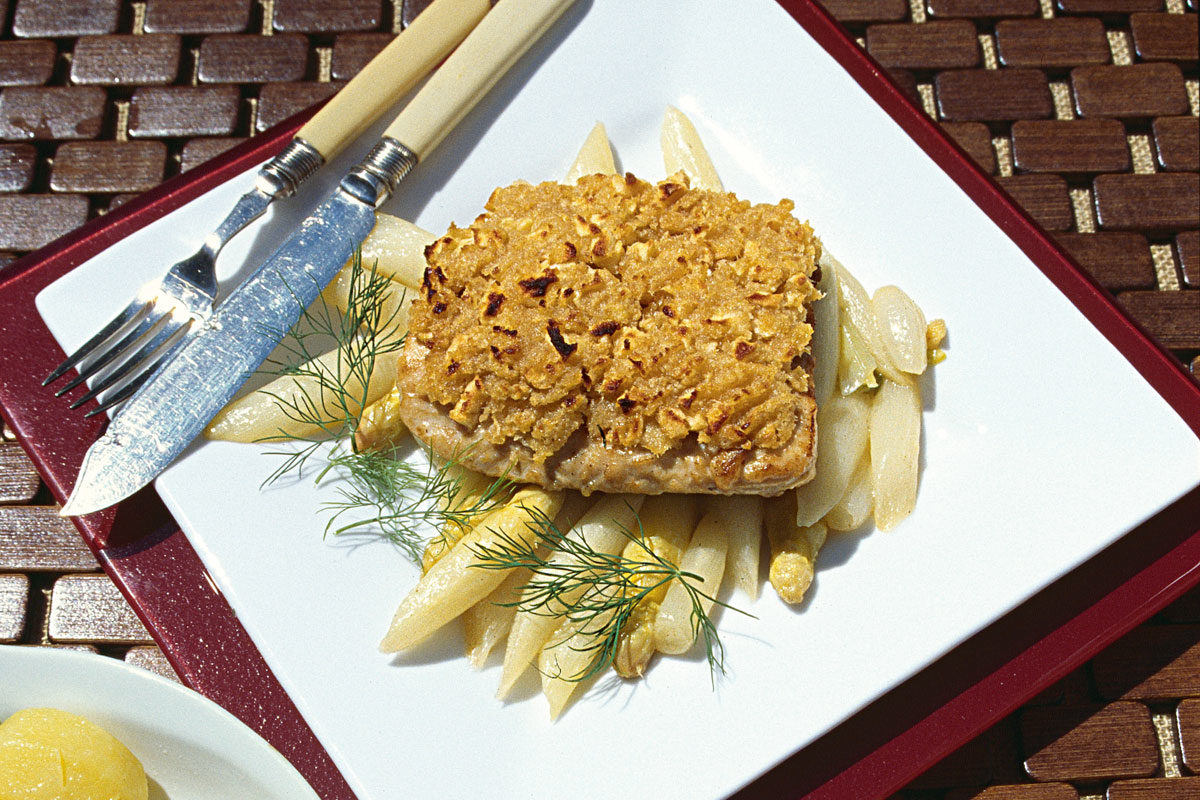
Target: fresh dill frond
471 495
334 390
595 590
379 493
404 502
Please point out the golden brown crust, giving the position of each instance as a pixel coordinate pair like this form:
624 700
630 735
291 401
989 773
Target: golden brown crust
619 336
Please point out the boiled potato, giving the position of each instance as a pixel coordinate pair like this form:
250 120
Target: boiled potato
55 755
30 771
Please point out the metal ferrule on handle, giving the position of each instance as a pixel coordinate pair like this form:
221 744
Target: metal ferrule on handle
280 176
376 176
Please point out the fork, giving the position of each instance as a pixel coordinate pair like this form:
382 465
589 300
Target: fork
137 341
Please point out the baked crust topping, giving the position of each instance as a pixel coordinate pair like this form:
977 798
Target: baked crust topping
637 319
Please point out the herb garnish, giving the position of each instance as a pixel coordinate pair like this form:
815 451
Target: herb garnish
404 502
386 495
362 334
609 586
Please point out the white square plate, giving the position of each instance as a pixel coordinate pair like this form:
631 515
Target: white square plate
1042 445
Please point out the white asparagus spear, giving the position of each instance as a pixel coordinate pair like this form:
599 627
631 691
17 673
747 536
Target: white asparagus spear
745 516
842 426
793 549
595 156
603 528
683 151
674 629
395 247
895 451
668 521
855 507
566 658
455 583
284 407
486 623
472 487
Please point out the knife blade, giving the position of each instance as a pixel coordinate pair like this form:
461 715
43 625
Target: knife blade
159 422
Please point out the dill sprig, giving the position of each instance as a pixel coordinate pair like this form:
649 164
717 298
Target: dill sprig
363 334
379 493
595 590
404 502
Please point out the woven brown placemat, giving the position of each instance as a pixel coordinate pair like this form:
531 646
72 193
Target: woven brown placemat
1084 110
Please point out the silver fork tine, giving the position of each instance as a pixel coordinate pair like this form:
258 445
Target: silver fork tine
115 352
132 311
124 393
112 378
131 386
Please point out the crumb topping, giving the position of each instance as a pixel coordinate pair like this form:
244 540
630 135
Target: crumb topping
644 313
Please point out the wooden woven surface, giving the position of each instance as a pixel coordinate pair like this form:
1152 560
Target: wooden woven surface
1084 110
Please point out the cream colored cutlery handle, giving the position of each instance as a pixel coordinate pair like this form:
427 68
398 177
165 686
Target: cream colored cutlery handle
504 35
409 57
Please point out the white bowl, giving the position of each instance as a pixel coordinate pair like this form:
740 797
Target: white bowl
192 748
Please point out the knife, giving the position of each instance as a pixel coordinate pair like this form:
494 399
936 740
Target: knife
172 408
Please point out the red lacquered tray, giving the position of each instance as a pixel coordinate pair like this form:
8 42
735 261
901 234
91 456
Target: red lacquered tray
871 754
